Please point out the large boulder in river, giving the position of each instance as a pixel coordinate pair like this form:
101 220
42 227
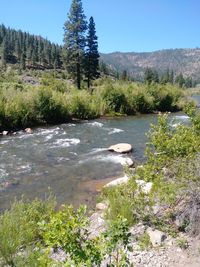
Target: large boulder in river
121 148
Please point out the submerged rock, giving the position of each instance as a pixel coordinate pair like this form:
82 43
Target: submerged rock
29 130
129 162
4 133
121 148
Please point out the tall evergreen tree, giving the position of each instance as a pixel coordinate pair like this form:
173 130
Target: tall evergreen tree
124 75
91 68
5 51
150 76
74 41
180 80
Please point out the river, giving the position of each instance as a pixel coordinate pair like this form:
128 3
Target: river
70 159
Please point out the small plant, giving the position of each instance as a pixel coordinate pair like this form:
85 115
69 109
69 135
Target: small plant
182 243
117 243
144 241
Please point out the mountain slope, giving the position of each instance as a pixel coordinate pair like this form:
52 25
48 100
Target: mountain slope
186 61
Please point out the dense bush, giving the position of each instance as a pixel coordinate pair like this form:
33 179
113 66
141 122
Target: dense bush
19 229
83 105
55 100
52 106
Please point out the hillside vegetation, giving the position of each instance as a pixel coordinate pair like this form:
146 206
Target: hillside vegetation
185 61
54 100
27 50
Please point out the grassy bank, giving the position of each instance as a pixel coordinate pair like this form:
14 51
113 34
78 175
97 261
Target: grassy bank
54 100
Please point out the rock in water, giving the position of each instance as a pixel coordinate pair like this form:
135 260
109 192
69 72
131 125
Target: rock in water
29 130
5 133
121 148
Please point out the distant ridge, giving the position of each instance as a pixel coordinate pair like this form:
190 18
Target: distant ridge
183 60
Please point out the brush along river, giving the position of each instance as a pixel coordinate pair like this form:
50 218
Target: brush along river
70 159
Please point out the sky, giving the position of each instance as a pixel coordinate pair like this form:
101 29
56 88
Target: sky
121 25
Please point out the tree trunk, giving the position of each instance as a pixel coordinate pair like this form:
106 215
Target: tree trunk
78 74
88 82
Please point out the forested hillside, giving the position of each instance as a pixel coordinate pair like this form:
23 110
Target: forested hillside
185 61
28 50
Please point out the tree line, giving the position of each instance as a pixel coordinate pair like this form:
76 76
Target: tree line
152 75
79 54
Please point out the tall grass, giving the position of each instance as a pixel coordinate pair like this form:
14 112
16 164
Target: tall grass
56 100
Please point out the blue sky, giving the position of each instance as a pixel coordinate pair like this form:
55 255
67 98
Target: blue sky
122 25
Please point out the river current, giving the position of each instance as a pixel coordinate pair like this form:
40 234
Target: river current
70 159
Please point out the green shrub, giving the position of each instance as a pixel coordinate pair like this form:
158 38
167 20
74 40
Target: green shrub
117 241
144 241
182 243
82 105
57 101
115 99
68 229
18 227
52 106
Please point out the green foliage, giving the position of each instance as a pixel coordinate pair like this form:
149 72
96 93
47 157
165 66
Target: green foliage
68 229
150 76
31 231
172 156
83 106
91 67
115 99
56 101
51 106
74 41
128 202
18 227
182 243
144 241
28 50
119 203
117 243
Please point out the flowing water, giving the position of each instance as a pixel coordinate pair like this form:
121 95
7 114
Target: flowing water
70 159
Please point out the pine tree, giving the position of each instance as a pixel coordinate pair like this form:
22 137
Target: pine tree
124 75
180 80
23 61
74 41
5 51
92 54
171 77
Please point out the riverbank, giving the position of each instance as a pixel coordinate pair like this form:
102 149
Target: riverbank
154 227
54 100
